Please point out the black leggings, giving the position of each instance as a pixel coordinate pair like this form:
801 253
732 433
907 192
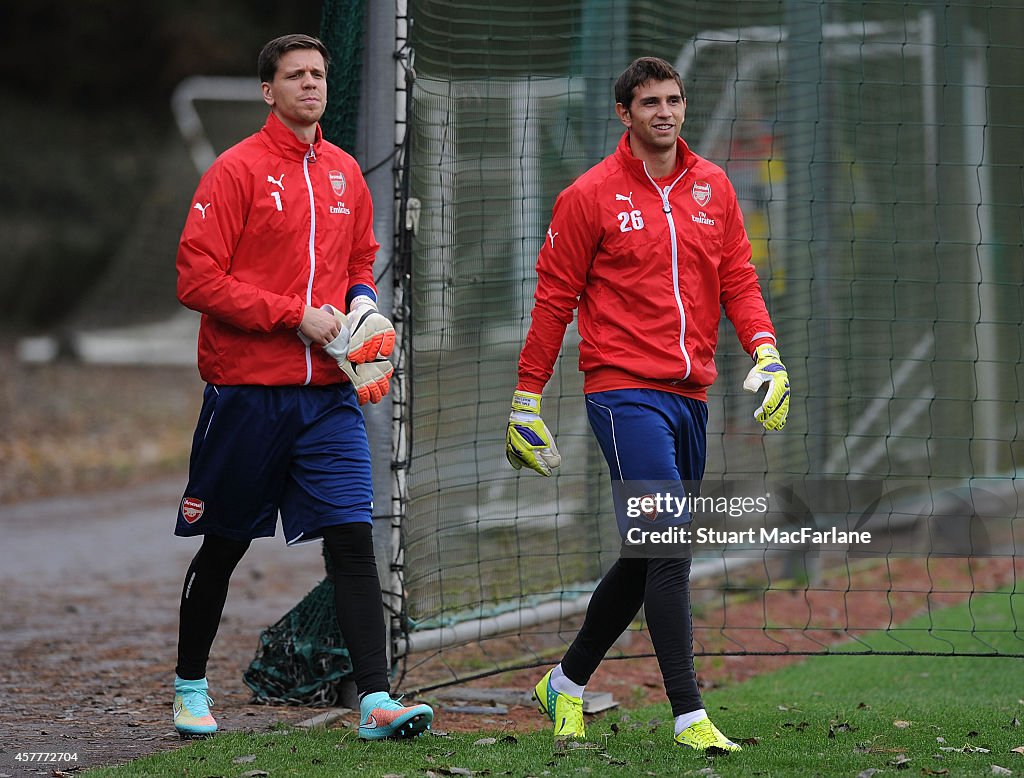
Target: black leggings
662 586
357 600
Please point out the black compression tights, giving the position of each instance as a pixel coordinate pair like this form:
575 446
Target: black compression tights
662 586
202 601
358 603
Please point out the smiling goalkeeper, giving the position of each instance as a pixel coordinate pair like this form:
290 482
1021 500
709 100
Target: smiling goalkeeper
649 245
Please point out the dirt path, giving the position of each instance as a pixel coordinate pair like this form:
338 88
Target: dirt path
89 619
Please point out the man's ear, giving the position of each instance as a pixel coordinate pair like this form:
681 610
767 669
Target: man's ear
623 113
268 95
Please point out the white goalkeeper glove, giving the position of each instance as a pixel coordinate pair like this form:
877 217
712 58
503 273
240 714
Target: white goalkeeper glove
774 409
372 334
528 441
371 379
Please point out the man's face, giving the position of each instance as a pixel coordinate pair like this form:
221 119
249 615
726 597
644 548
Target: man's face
655 116
298 92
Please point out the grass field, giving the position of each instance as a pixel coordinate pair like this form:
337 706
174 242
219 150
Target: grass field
828 716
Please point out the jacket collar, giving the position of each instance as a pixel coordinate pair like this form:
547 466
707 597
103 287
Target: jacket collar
283 142
684 157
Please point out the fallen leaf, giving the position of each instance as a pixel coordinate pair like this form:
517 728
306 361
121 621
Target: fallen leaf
901 724
997 770
244 759
926 771
967 749
838 726
867 773
1018 750
485 741
901 762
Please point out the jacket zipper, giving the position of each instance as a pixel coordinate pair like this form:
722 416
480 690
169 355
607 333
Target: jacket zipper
310 156
667 209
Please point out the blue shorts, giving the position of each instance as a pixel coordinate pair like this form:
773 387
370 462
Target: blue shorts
258 450
652 441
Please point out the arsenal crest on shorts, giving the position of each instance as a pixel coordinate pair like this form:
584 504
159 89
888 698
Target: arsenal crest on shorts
192 509
702 193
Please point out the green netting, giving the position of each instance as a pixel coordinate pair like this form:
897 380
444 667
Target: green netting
302 659
341 30
875 150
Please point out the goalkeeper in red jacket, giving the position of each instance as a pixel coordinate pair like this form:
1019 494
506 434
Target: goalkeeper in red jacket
649 245
279 237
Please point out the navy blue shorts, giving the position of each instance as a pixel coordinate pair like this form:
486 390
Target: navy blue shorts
258 450
653 441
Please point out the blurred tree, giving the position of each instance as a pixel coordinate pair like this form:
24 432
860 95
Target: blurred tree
86 119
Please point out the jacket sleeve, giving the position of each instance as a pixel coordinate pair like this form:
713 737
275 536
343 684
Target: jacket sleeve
364 243
740 292
562 267
212 230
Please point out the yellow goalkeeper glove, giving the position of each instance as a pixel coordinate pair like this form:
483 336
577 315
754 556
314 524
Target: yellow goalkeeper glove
528 440
774 409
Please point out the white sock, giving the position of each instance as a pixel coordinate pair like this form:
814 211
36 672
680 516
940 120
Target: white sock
561 683
685 720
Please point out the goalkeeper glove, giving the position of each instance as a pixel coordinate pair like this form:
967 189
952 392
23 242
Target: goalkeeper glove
372 378
372 334
528 440
774 409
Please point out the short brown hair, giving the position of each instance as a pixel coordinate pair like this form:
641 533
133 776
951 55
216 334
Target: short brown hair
271 54
639 72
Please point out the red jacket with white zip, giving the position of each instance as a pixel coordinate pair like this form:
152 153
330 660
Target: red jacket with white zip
276 224
650 263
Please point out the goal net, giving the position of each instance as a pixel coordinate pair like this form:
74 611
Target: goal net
861 142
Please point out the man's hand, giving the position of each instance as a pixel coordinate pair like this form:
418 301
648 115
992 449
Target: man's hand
372 334
371 379
528 441
774 409
320 326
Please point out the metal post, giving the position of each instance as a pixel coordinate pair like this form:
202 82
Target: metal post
807 153
603 54
375 147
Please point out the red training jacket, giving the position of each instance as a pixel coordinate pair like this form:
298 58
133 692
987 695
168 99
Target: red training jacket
276 224
650 264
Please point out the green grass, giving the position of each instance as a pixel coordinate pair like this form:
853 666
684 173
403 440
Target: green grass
828 716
